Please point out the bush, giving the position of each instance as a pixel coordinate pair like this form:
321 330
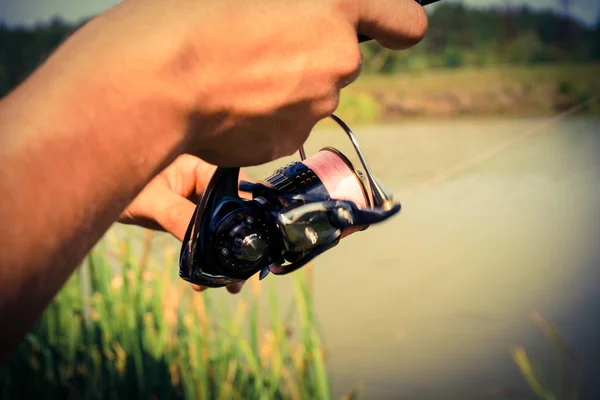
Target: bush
564 87
527 48
358 107
453 58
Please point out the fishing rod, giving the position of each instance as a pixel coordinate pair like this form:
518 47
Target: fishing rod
299 212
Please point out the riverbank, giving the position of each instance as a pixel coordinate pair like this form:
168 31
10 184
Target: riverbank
499 91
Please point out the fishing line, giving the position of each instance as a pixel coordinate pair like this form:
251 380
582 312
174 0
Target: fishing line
493 151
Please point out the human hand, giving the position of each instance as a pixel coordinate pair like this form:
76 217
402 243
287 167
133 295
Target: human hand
259 73
167 203
235 82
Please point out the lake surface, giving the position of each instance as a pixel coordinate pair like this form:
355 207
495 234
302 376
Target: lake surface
429 304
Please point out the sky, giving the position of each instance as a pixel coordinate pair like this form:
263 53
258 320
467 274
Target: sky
29 12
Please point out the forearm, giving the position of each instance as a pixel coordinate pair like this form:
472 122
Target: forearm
71 160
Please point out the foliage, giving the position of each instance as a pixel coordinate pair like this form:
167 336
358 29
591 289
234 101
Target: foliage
358 107
527 49
566 377
123 328
453 58
529 90
457 36
22 49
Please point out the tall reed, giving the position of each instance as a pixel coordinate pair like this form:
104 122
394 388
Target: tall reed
123 327
561 384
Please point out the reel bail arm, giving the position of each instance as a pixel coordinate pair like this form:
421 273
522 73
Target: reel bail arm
382 197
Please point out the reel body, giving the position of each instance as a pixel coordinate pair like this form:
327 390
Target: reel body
302 210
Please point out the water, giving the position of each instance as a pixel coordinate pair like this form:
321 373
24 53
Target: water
429 304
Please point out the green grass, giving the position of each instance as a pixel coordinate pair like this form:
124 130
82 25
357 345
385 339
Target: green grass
124 328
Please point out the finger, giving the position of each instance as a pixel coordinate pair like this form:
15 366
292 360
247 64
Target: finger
276 269
355 74
173 212
396 24
198 288
235 288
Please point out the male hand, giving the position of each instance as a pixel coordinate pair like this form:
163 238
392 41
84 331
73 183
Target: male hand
235 82
167 203
243 82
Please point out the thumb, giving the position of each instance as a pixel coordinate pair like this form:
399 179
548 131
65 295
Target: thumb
396 24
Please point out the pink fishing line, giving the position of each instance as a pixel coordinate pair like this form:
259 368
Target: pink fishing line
339 179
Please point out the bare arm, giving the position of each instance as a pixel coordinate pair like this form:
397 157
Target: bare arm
144 83
70 163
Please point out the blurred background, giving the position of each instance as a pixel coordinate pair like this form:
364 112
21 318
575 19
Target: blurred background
486 286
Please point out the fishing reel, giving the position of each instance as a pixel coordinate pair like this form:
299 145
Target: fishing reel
302 210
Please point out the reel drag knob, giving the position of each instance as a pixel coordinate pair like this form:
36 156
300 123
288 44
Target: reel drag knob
241 239
251 248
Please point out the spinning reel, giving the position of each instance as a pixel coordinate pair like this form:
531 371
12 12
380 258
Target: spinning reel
302 210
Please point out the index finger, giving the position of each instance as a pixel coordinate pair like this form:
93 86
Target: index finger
396 24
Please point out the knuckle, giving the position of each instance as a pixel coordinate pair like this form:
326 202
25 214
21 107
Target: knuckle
350 56
350 65
295 139
290 150
327 105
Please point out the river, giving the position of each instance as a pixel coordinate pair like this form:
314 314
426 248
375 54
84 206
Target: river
429 304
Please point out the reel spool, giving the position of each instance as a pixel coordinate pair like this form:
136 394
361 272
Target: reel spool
302 210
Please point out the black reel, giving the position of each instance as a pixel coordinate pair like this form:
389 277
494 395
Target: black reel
292 218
